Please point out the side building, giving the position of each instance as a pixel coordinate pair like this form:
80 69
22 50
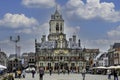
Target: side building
14 63
90 55
28 60
102 60
3 58
114 54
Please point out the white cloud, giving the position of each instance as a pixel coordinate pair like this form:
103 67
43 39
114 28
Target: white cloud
39 3
115 33
92 9
77 4
72 30
27 45
6 47
36 30
42 29
102 44
17 20
4 41
26 31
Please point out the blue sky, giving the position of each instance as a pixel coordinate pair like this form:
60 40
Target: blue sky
95 22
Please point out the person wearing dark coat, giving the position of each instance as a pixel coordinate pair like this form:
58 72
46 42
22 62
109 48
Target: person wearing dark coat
50 71
33 73
41 73
115 75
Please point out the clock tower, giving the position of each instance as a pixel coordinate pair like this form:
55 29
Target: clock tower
56 26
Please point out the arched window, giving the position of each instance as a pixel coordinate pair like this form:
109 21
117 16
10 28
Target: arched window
57 27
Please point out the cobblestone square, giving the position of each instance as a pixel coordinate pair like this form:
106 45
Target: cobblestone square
66 77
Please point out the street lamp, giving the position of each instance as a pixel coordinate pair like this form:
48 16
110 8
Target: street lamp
15 40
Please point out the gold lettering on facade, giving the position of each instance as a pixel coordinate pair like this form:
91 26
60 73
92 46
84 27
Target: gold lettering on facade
61 51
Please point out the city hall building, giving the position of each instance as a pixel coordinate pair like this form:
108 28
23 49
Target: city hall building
56 52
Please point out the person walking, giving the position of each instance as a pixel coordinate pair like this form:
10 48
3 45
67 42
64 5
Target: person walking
23 73
63 71
68 71
16 75
41 73
33 73
58 71
83 73
19 73
109 74
10 77
115 75
50 71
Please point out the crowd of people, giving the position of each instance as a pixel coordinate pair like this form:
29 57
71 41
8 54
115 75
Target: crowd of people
114 72
22 73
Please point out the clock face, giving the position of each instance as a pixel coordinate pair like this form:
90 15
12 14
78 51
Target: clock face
61 36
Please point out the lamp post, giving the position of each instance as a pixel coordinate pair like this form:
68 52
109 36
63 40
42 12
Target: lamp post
15 40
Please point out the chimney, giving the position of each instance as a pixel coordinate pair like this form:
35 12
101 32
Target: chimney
74 38
79 43
44 38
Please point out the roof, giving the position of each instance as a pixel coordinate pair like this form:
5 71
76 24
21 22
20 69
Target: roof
2 53
56 16
12 55
56 12
91 50
116 45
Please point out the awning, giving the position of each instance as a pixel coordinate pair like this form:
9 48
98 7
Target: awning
3 67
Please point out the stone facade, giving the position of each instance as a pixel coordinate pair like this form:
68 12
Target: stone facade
59 53
3 58
28 59
14 63
90 55
114 54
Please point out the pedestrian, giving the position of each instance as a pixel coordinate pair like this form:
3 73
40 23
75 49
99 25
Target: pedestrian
63 71
78 70
58 71
16 75
10 77
50 71
68 71
33 73
83 73
23 73
19 73
41 73
115 75
109 74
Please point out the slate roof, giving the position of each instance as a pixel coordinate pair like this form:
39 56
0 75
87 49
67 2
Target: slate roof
116 45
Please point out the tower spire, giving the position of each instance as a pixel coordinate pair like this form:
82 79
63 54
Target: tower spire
56 7
56 11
